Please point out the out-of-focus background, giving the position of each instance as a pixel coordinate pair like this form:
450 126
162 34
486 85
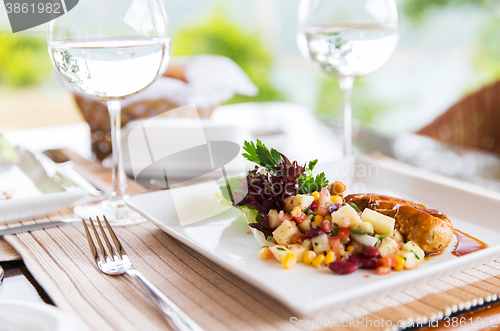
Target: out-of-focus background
447 48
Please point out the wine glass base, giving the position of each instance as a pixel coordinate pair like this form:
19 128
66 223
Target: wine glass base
116 212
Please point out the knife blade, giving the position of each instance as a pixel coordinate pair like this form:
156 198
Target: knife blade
66 167
36 226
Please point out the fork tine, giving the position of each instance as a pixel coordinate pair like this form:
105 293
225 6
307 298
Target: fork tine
111 250
99 242
93 249
118 246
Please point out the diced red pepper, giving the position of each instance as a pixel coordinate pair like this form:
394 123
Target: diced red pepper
382 270
324 201
299 238
300 217
286 217
387 261
326 226
344 234
335 243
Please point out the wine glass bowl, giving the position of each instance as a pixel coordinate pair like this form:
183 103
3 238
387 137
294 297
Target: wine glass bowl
348 39
109 50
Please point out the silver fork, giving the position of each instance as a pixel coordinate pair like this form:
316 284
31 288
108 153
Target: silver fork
116 262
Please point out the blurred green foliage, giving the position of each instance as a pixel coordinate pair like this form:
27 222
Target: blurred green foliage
488 55
23 60
416 9
217 35
365 105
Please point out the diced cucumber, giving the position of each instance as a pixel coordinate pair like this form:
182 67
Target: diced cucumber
364 239
320 243
346 212
302 201
279 251
381 237
382 224
363 228
285 233
411 261
414 248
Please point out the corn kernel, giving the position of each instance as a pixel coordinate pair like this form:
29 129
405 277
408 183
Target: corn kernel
330 251
328 217
318 219
265 253
308 257
350 248
289 261
400 262
296 211
317 260
329 258
315 194
336 199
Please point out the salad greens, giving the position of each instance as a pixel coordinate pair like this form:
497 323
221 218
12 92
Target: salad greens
267 186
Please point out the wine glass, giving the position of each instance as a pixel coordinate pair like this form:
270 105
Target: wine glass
109 50
348 39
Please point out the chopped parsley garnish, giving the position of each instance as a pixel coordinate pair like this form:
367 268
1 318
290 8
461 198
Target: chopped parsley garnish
260 154
315 244
280 248
309 183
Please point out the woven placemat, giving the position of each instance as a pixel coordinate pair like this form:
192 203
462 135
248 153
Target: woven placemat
60 261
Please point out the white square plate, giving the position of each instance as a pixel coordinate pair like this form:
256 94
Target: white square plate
222 237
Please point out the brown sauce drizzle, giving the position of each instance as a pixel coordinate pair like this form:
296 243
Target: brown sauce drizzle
466 244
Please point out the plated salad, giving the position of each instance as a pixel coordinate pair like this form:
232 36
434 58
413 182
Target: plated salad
301 218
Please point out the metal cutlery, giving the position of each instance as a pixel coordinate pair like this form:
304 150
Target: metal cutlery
31 227
66 167
113 260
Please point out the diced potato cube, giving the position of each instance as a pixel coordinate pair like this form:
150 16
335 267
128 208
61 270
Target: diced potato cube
414 248
382 224
298 250
388 246
411 261
301 201
279 251
320 243
307 244
346 212
285 233
305 225
274 221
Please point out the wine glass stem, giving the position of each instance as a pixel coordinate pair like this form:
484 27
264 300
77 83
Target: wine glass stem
346 84
119 179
